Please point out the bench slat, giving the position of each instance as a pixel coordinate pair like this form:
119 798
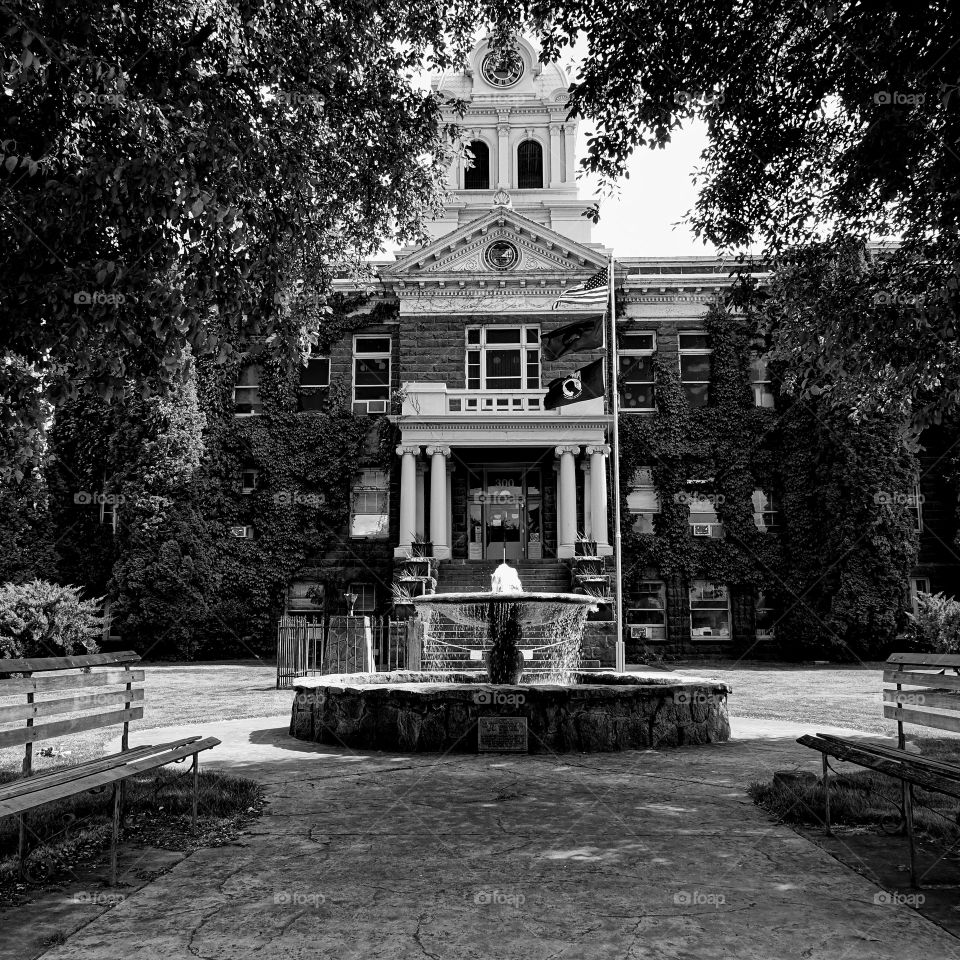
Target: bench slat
895 753
923 699
40 781
72 681
913 679
40 664
103 778
926 659
60 728
900 769
923 718
47 708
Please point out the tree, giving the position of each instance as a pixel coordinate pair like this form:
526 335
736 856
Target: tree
176 178
826 120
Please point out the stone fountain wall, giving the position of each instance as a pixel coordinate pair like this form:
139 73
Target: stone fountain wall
414 712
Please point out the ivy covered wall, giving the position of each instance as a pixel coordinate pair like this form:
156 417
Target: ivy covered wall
837 567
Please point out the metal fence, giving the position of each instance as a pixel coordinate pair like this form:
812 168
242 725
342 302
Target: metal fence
339 645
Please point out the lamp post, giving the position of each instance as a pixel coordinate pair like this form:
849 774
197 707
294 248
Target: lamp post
351 599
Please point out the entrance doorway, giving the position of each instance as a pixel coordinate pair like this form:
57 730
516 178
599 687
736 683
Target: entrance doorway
505 513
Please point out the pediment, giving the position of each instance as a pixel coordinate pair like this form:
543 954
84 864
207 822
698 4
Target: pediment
541 251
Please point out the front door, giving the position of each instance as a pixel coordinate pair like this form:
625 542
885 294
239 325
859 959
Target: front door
505 513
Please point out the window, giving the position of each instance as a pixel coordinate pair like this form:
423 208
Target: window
503 358
642 500
702 515
246 392
476 176
314 383
760 382
647 612
695 367
764 615
764 511
249 477
369 513
915 506
371 368
709 609
108 508
637 382
366 594
305 598
529 165
917 585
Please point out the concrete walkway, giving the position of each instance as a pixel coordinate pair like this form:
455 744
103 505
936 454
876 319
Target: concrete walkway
621 856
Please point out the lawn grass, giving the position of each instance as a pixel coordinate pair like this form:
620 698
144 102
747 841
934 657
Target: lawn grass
158 805
174 693
836 695
861 797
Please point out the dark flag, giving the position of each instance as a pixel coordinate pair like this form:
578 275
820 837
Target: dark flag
585 384
586 334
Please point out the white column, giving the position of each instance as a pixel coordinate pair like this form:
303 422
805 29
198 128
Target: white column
556 162
503 153
421 499
408 498
449 543
438 500
587 501
570 152
567 538
598 495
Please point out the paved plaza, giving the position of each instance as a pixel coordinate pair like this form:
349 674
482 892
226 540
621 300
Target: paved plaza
622 856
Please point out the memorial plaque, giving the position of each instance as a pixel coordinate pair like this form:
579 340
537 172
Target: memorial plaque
501 734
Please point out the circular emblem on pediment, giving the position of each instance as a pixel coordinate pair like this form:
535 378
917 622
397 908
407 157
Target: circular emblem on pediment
501 255
501 71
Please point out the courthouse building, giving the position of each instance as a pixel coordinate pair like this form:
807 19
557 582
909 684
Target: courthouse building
452 356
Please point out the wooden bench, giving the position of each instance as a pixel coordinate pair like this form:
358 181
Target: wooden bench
96 690
932 699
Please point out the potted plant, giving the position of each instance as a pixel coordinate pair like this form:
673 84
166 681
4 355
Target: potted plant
420 547
585 547
402 599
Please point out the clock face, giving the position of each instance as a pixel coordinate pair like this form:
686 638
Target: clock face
501 73
502 255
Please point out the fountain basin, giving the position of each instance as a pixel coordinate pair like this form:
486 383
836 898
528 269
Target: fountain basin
415 712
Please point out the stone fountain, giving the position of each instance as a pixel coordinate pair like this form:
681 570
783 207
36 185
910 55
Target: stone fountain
532 698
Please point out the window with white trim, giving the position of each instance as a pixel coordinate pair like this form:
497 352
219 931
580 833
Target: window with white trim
647 612
765 615
765 512
915 506
371 367
760 382
366 594
918 585
642 500
636 351
503 358
249 478
709 609
305 598
702 515
314 389
369 505
246 391
695 367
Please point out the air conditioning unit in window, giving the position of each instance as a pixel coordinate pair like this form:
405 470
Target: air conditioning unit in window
242 533
702 529
376 406
638 633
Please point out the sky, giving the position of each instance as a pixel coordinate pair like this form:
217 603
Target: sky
644 220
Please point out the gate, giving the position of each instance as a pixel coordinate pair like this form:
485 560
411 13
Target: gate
297 642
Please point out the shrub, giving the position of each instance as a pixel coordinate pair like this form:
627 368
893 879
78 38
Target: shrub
936 625
43 619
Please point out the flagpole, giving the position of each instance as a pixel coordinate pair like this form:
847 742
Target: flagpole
620 644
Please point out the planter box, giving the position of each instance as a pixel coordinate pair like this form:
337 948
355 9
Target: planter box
585 548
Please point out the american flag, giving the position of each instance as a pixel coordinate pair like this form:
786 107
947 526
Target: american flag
592 292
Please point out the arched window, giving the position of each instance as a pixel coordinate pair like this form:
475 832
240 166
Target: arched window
529 165
477 174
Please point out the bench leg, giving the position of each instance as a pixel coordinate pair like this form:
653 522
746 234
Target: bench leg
116 832
908 819
826 795
196 786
